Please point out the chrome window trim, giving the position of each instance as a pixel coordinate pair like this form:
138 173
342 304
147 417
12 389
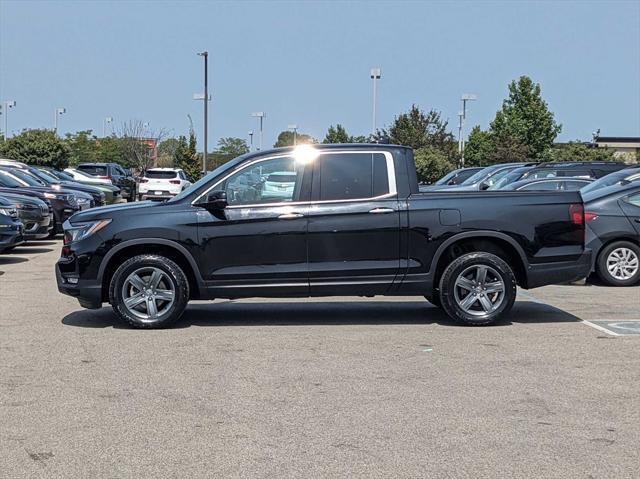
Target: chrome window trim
391 176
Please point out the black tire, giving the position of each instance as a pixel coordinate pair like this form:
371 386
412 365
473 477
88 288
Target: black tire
601 264
174 274
477 317
434 298
53 233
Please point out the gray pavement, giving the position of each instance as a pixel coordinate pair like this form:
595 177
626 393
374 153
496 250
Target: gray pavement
332 387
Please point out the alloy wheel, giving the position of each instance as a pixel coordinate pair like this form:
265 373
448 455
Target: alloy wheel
148 293
479 290
622 263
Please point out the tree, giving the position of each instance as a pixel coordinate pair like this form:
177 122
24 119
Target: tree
479 148
526 119
233 147
285 138
83 147
338 134
578 151
508 149
37 147
167 152
431 164
136 139
418 129
186 156
111 150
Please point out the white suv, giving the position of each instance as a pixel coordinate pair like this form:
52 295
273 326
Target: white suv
162 183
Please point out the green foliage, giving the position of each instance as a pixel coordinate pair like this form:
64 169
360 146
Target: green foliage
167 152
418 129
338 134
431 164
233 147
479 148
525 119
578 151
37 147
187 158
111 150
83 147
508 149
285 138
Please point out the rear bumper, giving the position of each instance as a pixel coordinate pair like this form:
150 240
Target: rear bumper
544 274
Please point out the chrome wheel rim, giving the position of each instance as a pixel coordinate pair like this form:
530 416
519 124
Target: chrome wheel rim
623 263
148 293
479 290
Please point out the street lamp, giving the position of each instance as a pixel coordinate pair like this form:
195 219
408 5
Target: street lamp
295 132
205 55
7 104
104 125
262 115
250 140
465 98
59 111
376 73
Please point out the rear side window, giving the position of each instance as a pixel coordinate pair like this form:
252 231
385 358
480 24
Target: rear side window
574 185
95 170
542 186
160 175
634 200
350 176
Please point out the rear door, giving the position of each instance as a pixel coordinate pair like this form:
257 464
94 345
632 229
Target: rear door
630 204
354 223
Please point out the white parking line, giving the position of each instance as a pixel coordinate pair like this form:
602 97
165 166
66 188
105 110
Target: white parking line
599 328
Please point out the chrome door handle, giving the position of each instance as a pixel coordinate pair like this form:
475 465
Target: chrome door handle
379 211
290 216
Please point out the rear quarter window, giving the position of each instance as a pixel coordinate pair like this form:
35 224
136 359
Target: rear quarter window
94 170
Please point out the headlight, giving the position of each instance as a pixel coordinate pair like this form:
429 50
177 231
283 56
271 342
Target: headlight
83 200
53 196
6 212
81 231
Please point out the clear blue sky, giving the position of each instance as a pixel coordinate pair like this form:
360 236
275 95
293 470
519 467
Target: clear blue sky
308 62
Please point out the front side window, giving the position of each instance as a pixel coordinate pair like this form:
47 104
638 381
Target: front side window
271 181
350 176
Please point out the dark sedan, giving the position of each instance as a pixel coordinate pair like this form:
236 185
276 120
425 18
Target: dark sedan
11 227
35 214
612 217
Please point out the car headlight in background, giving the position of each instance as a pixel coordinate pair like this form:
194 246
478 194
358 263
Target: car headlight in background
81 231
6 211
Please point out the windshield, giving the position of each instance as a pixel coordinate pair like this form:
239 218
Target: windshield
63 176
479 176
609 180
606 191
46 177
7 181
511 177
229 165
26 177
160 174
445 179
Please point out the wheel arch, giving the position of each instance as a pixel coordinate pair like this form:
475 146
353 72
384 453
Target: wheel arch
489 241
174 251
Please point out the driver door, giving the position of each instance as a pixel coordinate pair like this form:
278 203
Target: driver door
258 246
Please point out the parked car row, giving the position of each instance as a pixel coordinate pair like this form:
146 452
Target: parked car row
36 201
611 193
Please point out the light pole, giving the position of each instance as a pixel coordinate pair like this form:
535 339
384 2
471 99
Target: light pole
460 116
104 125
465 98
250 140
295 133
262 115
376 73
7 104
59 111
205 55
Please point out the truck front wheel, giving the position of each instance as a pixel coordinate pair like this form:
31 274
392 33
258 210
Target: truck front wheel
149 291
477 289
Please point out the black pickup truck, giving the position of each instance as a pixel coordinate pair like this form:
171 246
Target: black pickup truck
317 221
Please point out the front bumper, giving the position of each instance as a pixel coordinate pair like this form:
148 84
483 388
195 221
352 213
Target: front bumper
87 292
562 272
11 235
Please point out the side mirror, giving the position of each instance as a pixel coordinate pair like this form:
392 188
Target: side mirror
216 200
484 186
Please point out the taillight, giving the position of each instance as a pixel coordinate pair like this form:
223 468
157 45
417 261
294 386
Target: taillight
576 212
589 216
174 182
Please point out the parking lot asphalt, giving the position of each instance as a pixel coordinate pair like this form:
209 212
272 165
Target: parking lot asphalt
330 387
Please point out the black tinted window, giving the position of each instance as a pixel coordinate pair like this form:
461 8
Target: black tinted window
93 170
346 176
160 175
542 186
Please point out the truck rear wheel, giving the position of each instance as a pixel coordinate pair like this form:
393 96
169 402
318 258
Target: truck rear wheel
477 289
149 291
